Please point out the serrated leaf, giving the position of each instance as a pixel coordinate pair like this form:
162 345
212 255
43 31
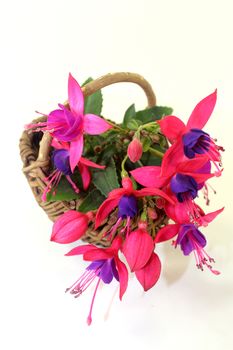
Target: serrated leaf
63 192
92 201
154 113
106 180
93 103
129 114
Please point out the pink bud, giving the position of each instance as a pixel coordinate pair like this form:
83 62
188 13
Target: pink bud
135 150
127 183
70 227
152 213
138 248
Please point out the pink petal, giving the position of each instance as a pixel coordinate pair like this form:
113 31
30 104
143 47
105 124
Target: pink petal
116 244
85 174
118 192
138 248
94 125
88 162
206 219
97 254
148 176
75 96
82 249
177 212
167 232
153 192
76 149
149 274
69 227
105 209
59 144
200 177
172 127
123 276
192 164
172 158
202 112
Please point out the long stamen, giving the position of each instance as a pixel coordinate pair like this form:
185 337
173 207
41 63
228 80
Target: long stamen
89 318
75 188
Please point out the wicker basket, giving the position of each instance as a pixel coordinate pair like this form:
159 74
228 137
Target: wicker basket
35 154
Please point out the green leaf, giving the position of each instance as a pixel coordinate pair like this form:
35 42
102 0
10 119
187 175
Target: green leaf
106 180
93 103
149 159
64 192
133 124
154 113
129 114
92 201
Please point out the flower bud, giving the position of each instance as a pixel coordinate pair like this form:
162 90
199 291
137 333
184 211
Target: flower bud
135 150
70 227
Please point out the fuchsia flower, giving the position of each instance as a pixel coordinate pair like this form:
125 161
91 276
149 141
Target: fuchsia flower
61 162
190 140
70 226
105 265
125 199
138 249
135 150
69 123
190 240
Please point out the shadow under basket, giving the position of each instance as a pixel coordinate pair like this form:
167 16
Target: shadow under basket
35 150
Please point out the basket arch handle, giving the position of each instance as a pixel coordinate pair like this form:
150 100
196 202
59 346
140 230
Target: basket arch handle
95 85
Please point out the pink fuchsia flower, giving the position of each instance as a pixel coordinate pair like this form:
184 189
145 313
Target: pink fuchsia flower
189 140
135 150
149 274
180 213
70 226
150 176
61 162
125 199
70 123
105 265
190 240
138 247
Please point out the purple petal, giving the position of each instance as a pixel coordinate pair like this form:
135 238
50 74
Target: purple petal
127 207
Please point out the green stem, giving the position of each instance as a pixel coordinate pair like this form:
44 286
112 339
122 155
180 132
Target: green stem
115 126
156 152
124 173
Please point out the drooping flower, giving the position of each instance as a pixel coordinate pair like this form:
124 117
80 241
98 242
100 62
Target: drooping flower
125 199
105 265
69 123
61 162
150 176
70 226
190 240
135 150
138 247
190 140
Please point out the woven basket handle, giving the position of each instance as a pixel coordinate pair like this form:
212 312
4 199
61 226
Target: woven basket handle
90 89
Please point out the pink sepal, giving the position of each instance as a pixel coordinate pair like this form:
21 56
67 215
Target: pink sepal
202 112
167 232
149 274
172 127
94 125
75 96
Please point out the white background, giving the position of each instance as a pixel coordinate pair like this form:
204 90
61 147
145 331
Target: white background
184 48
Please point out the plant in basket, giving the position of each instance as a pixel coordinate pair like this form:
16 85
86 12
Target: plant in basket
118 185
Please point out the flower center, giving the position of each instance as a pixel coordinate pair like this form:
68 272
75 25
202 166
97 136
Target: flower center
184 187
127 207
196 141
